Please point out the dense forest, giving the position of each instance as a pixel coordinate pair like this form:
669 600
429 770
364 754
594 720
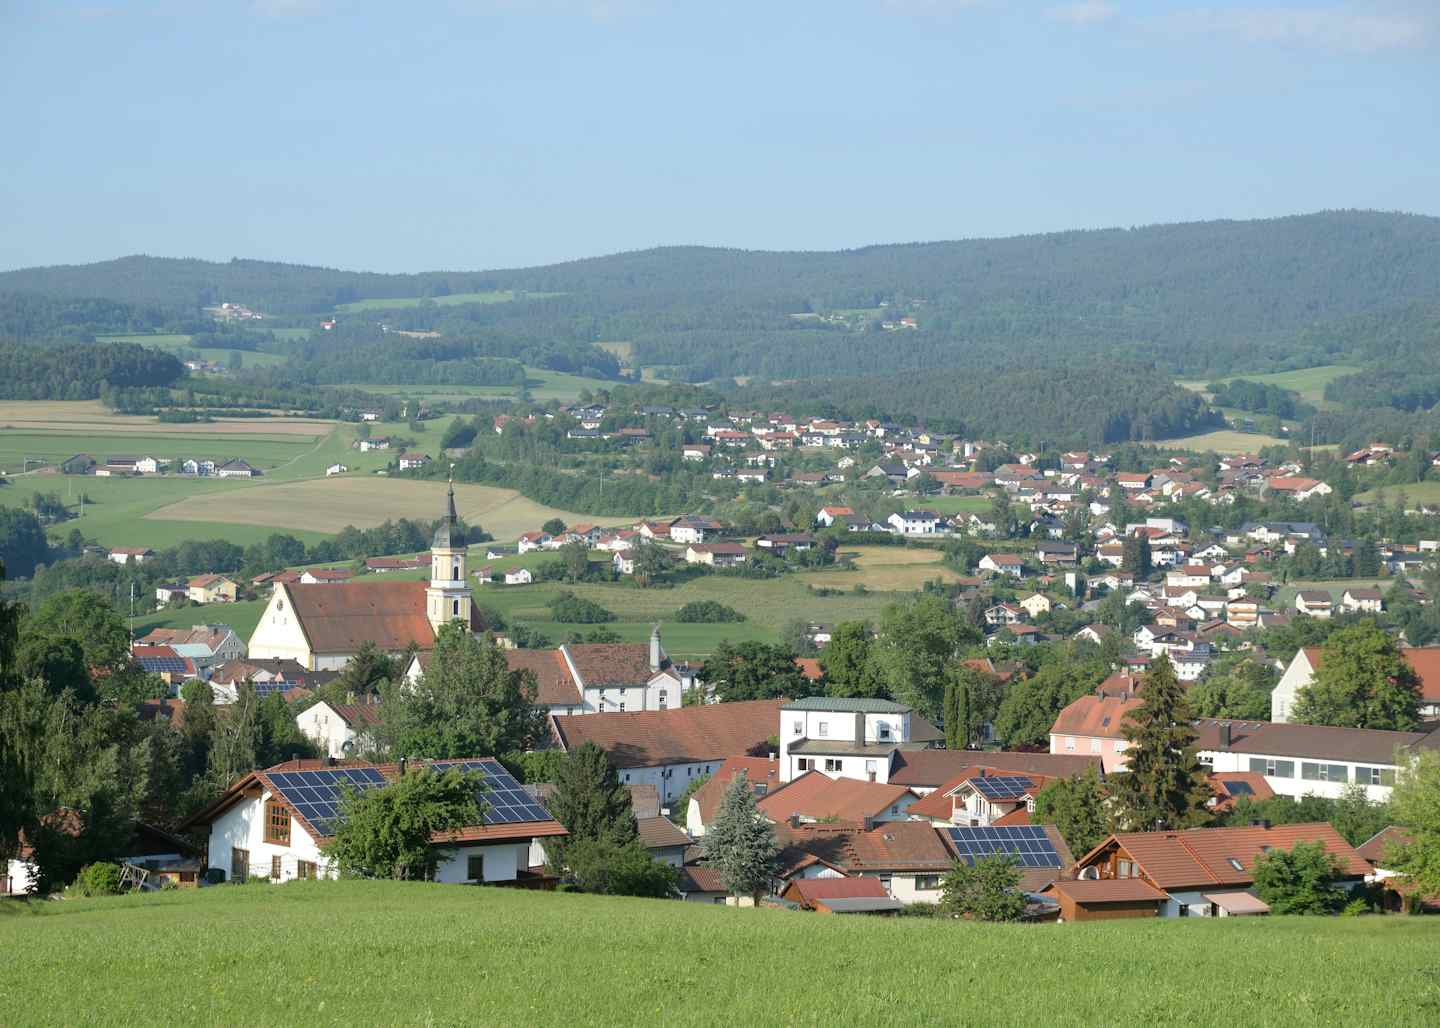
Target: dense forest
82 371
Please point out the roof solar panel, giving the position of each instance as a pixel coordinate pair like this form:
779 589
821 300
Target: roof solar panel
1028 843
1002 787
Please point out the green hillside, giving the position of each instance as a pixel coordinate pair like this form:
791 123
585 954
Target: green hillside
388 953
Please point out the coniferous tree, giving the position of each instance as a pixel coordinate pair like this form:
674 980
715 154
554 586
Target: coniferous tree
1164 785
740 843
590 802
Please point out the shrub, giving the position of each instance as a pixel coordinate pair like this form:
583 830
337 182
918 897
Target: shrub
707 612
99 879
572 610
1301 880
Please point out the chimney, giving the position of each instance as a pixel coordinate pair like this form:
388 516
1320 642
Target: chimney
859 727
1225 735
655 648
403 762
868 823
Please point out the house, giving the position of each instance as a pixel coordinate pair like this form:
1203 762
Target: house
695 451
700 884
274 823
534 541
335 728
827 516
336 469
1208 872
1096 633
1005 614
412 461
718 555
762 774
692 529
1313 602
782 542
909 858
172 668
842 896
665 842
670 748
915 522
384 565
161 853
366 445
1299 760
848 737
1003 564
1042 853
587 678
1092 723
1362 601
1057 554
817 797
1232 786
236 468
1300 672
206 645
1297 488
170 592
1036 604
981 796
129 554
518 576
265 675
323 626
325 576
212 589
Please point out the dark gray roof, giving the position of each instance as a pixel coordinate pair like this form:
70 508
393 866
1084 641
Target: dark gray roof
847 705
1319 742
861 904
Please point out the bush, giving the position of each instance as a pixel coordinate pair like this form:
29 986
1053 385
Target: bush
99 879
707 612
572 610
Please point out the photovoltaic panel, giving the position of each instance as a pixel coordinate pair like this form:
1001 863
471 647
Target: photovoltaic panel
1002 787
1029 843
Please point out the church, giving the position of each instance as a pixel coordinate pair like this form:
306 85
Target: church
322 626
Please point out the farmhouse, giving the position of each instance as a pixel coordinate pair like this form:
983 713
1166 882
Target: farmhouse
323 626
272 823
128 554
588 678
915 522
1003 564
718 555
211 589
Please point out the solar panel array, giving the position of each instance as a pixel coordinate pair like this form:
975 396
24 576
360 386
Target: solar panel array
163 665
315 795
1027 842
1002 787
264 689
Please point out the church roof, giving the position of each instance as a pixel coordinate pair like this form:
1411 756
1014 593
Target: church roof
447 525
339 618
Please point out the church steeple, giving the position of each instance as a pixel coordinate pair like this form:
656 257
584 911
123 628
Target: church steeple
448 596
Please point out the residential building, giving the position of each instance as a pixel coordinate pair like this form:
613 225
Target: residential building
274 823
842 896
848 738
128 554
915 522
1092 724
815 797
719 555
335 728
1003 564
1300 672
1313 602
1362 601
212 589
763 777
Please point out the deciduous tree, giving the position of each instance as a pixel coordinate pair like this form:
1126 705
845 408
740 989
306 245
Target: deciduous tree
386 832
987 890
1362 682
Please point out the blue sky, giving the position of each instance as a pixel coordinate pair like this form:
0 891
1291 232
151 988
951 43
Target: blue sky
415 134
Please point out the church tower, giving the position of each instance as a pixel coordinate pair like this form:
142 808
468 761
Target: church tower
448 596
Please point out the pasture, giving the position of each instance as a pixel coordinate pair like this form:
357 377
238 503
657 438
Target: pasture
1309 383
242 616
541 384
420 953
1414 493
219 354
90 417
329 504
1285 595
1223 441
950 505
884 569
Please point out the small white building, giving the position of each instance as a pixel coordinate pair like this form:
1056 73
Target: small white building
842 737
336 727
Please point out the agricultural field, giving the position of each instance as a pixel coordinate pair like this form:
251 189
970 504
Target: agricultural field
542 384
1309 383
423 953
453 300
242 616
328 504
1414 493
219 354
884 569
1223 441
950 505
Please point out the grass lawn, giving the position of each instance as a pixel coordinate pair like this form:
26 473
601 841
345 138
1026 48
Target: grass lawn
313 953
1415 492
1285 595
955 504
242 616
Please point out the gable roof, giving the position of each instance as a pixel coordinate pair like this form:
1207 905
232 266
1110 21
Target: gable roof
893 846
339 618
808 890
815 795
555 685
659 833
1202 857
940 803
939 768
1095 716
1373 849
759 771
684 735
1107 890
603 665
1287 739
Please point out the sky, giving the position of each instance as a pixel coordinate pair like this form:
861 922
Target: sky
407 135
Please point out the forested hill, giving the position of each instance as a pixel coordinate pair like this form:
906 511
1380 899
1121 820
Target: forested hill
1197 299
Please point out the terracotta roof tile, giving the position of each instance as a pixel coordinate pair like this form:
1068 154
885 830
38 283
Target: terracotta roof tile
1109 890
555 685
759 771
817 796
681 736
611 664
339 618
936 768
658 832
1374 848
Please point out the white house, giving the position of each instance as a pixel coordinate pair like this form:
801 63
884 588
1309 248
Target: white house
519 576
915 522
272 823
1002 564
533 541
336 727
336 469
1300 672
847 738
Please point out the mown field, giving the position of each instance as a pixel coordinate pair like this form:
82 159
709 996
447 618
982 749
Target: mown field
1285 596
884 569
1310 383
1223 441
320 953
242 616
1414 493
219 354
542 385
328 504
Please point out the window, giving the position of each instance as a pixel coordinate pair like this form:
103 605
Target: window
622 706
239 865
627 776
718 899
822 729
925 883
1094 745
884 731
1208 759
833 764
475 867
805 764
797 727
275 869
1235 863
1273 768
305 869
663 701
1124 869
1374 776
1070 743
455 573
1324 772
277 823
1030 804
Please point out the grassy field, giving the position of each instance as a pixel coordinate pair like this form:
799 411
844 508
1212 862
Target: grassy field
242 616
1310 383
89 417
219 354
1285 595
543 385
328 504
884 569
1415 492
318 953
956 504
1223 441
454 299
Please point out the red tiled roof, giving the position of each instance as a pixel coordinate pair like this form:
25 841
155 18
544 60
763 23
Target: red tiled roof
814 795
1108 890
659 832
1095 716
939 803
555 686
807 890
683 735
339 618
700 879
810 668
937 768
1374 848
611 664
1202 856
356 714
1252 784
758 770
895 845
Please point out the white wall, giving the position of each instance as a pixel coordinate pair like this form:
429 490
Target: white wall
670 780
1298 675
278 634
502 862
23 877
325 728
242 827
1297 785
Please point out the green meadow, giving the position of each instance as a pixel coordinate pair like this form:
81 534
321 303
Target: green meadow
346 953
453 300
1310 383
